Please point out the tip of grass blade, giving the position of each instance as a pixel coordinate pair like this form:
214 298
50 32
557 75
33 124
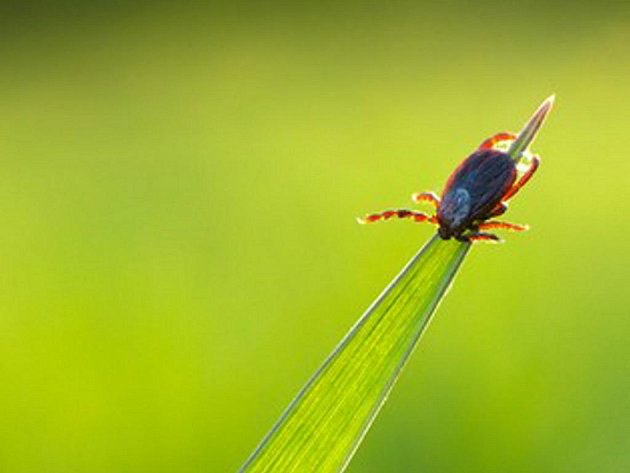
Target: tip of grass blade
530 130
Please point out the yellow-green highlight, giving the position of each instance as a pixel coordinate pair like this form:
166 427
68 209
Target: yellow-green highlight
326 422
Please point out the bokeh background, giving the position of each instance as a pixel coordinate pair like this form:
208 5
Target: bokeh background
178 249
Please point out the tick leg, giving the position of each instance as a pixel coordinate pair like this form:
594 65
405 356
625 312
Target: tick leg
493 140
524 178
513 227
430 197
480 236
401 213
500 209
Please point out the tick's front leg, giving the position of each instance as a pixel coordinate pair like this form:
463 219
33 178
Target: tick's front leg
400 213
430 197
491 142
524 178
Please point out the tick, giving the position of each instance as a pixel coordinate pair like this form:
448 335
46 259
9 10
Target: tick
480 187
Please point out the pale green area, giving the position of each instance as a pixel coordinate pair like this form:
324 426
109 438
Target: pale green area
325 424
178 249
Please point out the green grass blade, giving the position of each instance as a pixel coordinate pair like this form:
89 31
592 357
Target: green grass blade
325 423
530 130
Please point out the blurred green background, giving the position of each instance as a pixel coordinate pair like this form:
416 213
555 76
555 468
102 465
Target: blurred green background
178 249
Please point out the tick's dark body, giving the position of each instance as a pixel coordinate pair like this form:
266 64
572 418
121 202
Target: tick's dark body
474 191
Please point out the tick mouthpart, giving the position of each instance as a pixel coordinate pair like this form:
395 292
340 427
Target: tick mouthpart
444 232
530 130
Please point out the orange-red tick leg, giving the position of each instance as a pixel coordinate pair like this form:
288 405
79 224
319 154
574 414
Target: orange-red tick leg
492 224
401 213
430 197
493 140
498 210
480 236
524 178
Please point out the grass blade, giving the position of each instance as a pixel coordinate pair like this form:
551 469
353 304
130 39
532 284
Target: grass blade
530 130
323 426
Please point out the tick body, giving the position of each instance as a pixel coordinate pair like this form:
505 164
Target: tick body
479 188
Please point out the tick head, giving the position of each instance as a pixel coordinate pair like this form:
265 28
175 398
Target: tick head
444 232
